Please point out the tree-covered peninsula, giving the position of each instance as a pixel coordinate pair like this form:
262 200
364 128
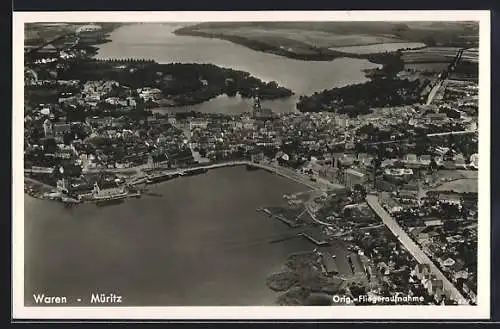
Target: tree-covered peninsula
180 84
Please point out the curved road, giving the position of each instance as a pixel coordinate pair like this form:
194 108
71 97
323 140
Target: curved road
319 182
279 170
460 132
413 248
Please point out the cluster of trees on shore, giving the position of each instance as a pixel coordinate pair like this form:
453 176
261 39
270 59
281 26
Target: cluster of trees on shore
358 99
183 83
383 89
392 64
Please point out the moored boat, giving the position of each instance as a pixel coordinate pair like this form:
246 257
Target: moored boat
251 167
151 179
195 171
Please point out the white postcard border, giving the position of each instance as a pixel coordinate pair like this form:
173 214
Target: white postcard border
481 311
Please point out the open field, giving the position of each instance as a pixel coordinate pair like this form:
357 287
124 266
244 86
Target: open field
429 67
436 59
458 174
442 32
430 55
37 33
466 70
319 40
471 55
460 186
378 47
459 181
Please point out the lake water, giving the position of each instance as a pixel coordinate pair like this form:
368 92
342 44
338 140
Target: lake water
157 42
233 105
192 241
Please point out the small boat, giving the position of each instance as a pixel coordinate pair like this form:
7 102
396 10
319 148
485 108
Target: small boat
151 179
69 200
110 197
195 171
249 167
103 203
135 194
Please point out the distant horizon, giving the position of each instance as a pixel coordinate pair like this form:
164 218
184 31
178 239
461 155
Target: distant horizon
173 23
176 242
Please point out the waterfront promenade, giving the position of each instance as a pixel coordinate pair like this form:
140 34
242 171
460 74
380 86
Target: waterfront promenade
412 247
317 183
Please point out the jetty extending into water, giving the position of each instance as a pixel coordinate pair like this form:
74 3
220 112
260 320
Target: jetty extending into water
290 222
315 236
136 194
312 234
284 238
317 240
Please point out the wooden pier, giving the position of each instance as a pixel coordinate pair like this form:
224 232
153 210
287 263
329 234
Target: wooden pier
284 238
265 210
136 194
317 239
314 239
289 222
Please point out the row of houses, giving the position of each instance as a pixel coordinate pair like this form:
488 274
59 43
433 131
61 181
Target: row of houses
148 93
410 160
434 286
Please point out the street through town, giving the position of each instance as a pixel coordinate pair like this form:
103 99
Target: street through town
412 247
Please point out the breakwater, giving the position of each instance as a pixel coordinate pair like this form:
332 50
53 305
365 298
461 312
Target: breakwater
311 234
290 222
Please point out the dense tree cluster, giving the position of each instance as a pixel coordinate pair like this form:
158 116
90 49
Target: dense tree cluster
184 83
376 93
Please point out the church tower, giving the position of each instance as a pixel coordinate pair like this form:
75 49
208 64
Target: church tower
256 101
47 128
